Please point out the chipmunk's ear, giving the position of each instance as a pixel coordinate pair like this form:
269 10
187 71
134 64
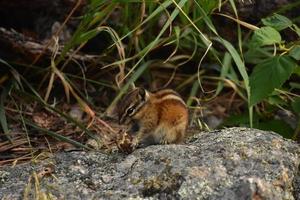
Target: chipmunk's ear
143 94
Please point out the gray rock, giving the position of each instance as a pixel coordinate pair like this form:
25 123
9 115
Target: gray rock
235 163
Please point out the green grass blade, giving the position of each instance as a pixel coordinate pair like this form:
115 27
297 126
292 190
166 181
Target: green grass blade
155 41
57 136
132 79
157 11
242 69
224 72
3 120
238 61
68 118
238 28
40 100
193 93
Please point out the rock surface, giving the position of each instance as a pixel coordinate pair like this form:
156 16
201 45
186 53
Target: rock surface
235 163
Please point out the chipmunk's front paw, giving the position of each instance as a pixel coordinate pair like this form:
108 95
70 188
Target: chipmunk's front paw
125 142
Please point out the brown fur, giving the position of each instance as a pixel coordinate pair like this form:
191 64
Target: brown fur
162 118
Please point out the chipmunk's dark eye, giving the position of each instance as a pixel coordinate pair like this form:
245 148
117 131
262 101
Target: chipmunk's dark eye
130 111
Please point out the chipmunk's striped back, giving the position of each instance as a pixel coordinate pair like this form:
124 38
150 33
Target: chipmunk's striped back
168 94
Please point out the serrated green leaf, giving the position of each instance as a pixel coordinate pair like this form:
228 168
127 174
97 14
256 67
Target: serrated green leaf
269 75
295 52
278 22
265 36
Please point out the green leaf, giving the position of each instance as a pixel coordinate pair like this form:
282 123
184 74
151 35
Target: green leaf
297 71
294 85
278 22
258 54
295 52
267 76
208 5
240 120
277 126
296 29
265 36
276 100
296 105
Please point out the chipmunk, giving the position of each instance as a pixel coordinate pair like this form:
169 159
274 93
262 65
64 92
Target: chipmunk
155 118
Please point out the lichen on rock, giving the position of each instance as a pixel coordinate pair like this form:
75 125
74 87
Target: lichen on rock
235 163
